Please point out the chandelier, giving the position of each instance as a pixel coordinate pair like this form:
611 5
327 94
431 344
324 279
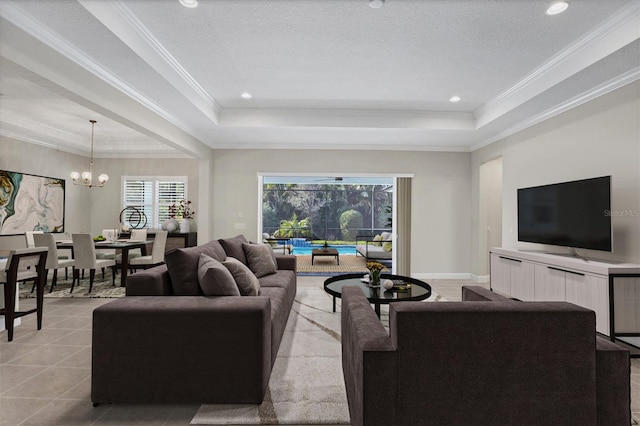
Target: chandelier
86 178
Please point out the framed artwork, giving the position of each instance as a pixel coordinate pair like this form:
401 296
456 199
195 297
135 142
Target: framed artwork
30 203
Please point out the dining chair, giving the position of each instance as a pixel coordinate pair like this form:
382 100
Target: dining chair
110 235
137 235
53 260
157 253
29 237
85 258
14 270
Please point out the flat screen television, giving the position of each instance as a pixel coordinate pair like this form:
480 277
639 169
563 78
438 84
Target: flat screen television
573 214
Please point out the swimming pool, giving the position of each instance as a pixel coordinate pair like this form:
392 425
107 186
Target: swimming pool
342 249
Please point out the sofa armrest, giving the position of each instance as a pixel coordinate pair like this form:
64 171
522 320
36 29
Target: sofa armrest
612 383
369 362
286 261
181 349
150 282
475 293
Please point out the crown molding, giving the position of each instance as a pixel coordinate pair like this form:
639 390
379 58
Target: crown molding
36 29
613 34
576 101
124 24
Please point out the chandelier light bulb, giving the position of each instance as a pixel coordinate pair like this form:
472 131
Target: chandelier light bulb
87 175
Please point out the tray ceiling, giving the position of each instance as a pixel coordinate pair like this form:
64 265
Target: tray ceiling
165 80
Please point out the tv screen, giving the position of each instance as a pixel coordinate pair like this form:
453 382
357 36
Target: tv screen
572 214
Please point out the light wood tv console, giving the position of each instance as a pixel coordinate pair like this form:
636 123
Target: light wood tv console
610 289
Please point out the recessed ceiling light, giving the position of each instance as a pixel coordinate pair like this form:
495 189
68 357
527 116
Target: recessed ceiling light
455 98
246 95
557 7
189 3
376 4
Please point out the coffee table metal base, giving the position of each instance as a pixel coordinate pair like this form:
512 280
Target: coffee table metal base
419 290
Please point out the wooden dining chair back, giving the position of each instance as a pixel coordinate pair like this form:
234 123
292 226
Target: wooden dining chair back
14 271
157 253
85 258
54 262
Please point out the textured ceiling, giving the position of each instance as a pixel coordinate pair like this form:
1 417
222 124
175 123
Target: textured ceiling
165 80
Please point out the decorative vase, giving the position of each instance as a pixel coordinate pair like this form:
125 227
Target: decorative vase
170 225
374 279
185 225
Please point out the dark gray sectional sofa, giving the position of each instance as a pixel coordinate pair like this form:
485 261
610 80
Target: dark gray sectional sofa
487 360
166 342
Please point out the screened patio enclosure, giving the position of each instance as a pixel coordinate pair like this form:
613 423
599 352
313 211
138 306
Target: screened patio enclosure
332 209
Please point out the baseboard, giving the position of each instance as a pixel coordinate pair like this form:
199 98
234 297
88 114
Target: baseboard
443 276
480 278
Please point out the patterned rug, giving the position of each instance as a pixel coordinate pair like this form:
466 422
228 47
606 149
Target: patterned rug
328 266
101 287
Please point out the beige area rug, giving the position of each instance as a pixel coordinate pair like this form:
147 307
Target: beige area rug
349 263
306 385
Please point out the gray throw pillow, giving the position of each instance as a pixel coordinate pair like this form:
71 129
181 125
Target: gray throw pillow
246 281
260 259
215 279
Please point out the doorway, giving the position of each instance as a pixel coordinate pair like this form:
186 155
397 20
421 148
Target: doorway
490 215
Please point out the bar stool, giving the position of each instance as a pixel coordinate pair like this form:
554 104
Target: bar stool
15 271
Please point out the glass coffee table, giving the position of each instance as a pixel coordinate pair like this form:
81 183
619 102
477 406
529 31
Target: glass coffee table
406 289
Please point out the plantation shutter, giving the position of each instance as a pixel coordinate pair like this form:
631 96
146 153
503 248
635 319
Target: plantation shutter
169 192
153 196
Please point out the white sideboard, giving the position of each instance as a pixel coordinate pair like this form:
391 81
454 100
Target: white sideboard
610 289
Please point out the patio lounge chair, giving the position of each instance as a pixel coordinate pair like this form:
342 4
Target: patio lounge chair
375 247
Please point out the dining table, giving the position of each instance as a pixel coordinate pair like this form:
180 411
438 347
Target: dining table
124 246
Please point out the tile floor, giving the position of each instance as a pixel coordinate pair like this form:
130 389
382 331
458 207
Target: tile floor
45 376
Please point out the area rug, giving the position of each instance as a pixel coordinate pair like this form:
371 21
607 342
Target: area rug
306 385
101 287
328 265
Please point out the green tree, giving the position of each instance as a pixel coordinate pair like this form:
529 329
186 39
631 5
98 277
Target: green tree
350 223
294 228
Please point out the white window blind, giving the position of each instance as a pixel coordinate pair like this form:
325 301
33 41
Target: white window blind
153 196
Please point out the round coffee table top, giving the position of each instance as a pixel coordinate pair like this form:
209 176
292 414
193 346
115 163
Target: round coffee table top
419 290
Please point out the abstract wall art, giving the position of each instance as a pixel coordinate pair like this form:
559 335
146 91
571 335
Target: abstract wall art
30 203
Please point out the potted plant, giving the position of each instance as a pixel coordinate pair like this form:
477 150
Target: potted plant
183 211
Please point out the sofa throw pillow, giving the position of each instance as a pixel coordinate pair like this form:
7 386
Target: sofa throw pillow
386 236
246 281
233 247
215 279
182 265
376 240
260 259
386 246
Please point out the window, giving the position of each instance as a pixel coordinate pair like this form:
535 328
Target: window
153 196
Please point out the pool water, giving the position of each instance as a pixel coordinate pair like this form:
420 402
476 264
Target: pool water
342 249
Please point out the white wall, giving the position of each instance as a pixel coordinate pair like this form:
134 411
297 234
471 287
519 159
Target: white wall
25 157
441 228
106 203
91 210
599 138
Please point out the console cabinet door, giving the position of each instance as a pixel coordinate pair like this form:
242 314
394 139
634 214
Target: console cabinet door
500 274
521 280
590 292
549 284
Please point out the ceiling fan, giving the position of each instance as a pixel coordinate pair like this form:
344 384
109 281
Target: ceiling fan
331 179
